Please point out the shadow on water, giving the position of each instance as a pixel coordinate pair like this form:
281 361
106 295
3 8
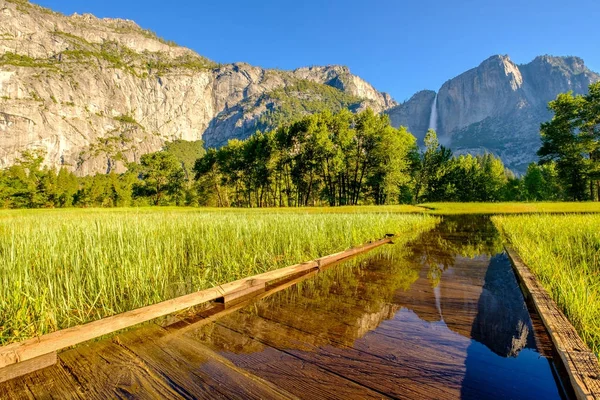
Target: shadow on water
440 317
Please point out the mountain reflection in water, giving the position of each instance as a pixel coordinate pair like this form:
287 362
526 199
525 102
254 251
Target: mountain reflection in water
444 313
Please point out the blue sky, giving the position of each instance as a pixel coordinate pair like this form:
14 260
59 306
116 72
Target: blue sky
398 46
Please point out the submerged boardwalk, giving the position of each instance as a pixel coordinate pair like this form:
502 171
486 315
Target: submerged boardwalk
419 323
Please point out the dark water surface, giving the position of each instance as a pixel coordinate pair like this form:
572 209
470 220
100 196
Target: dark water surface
442 317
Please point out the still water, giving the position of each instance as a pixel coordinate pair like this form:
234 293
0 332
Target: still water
440 317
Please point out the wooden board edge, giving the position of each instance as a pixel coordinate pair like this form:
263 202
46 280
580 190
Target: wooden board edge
238 296
582 391
30 349
23 368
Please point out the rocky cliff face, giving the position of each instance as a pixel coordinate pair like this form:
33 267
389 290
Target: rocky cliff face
96 93
498 106
414 113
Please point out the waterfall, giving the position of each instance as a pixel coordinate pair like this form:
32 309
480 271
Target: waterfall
438 300
433 117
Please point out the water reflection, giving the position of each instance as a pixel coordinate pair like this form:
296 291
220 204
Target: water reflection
440 317
502 322
466 235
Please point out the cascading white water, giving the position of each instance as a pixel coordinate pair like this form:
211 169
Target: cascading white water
438 300
433 117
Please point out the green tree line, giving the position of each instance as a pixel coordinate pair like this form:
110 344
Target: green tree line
322 159
329 159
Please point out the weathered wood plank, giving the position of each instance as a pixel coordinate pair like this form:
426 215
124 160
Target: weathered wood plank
105 370
581 364
376 372
198 319
32 348
23 368
195 368
296 376
235 297
49 383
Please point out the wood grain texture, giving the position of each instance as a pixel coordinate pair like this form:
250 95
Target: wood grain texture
238 296
374 371
53 382
198 319
194 368
581 364
105 370
296 376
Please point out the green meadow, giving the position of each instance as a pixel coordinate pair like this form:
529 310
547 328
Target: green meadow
63 267
512 207
60 268
563 251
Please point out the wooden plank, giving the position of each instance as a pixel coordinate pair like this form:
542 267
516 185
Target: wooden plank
240 295
58 340
579 361
32 348
195 368
294 375
359 317
207 316
375 372
543 341
23 368
420 359
105 370
333 258
53 382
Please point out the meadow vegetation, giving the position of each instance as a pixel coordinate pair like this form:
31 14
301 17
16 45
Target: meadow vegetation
563 251
511 207
59 268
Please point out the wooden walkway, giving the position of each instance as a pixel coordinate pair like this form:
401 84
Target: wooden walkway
582 363
370 331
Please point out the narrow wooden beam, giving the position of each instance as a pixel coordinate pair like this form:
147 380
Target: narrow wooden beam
52 342
237 296
25 367
188 324
579 361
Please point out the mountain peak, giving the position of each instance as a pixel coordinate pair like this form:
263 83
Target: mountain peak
567 64
497 106
497 57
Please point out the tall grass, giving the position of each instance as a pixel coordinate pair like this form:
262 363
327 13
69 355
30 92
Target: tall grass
563 251
62 268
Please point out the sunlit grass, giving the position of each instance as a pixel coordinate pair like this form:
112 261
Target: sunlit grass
563 251
59 268
510 208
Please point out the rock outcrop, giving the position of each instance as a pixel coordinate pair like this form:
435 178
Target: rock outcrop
94 93
498 106
340 77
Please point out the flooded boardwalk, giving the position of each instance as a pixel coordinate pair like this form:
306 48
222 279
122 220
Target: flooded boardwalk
442 317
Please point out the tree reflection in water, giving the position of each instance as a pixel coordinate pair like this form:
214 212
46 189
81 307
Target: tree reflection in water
443 310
